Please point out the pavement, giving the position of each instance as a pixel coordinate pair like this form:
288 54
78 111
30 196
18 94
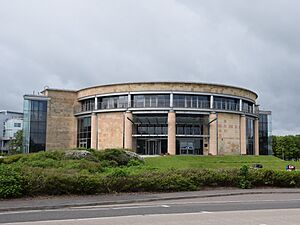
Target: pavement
56 202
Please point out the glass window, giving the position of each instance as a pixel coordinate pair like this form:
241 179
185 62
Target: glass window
191 101
191 124
150 124
247 107
17 124
84 132
35 120
250 136
114 102
225 103
151 101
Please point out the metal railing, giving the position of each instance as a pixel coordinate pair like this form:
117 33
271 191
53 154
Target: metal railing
226 106
84 108
229 106
178 103
115 105
150 104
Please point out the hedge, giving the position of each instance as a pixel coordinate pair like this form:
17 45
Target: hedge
25 182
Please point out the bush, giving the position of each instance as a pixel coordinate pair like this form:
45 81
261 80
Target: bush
113 156
10 183
244 181
11 159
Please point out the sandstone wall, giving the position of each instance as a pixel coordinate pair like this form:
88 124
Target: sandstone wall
110 130
167 86
228 134
61 123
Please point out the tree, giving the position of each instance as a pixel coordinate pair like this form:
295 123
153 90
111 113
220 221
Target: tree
16 145
286 147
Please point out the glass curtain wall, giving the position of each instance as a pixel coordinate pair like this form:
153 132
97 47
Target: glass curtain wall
87 105
249 136
265 134
190 130
150 131
113 102
84 132
225 103
151 101
247 107
191 101
35 124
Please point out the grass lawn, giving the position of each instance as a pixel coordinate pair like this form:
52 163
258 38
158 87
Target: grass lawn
184 162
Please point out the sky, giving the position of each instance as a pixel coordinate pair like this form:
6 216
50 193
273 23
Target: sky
73 44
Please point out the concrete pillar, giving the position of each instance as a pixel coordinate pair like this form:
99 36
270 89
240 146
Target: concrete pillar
211 101
256 137
129 101
205 139
128 130
172 133
94 131
241 105
96 103
213 134
243 135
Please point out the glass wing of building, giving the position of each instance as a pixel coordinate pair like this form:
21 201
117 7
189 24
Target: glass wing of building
34 124
265 133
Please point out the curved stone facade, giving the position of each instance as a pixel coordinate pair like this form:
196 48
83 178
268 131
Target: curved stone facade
155 118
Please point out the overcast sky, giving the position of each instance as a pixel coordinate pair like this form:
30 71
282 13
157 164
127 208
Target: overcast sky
78 43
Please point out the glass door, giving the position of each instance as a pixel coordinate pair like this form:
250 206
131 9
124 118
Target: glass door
153 147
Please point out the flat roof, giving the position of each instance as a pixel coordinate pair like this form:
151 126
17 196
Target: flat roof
10 111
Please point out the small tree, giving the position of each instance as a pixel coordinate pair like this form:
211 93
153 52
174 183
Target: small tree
16 145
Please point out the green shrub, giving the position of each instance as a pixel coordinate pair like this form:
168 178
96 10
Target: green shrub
113 157
10 183
244 181
11 159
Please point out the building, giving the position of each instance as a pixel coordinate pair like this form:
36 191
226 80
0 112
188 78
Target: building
265 132
10 123
150 118
35 118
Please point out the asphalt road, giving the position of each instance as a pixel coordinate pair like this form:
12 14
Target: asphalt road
259 209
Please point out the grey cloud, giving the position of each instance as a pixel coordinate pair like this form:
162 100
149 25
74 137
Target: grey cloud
76 43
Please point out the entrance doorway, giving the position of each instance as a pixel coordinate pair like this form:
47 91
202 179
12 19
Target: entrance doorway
153 147
189 146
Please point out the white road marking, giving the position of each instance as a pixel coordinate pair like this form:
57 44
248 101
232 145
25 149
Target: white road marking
138 207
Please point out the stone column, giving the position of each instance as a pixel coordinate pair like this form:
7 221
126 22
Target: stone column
94 131
243 135
128 130
256 137
213 138
172 133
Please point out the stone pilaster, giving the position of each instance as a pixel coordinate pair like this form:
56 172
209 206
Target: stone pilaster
94 131
256 137
243 135
172 133
213 138
128 130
